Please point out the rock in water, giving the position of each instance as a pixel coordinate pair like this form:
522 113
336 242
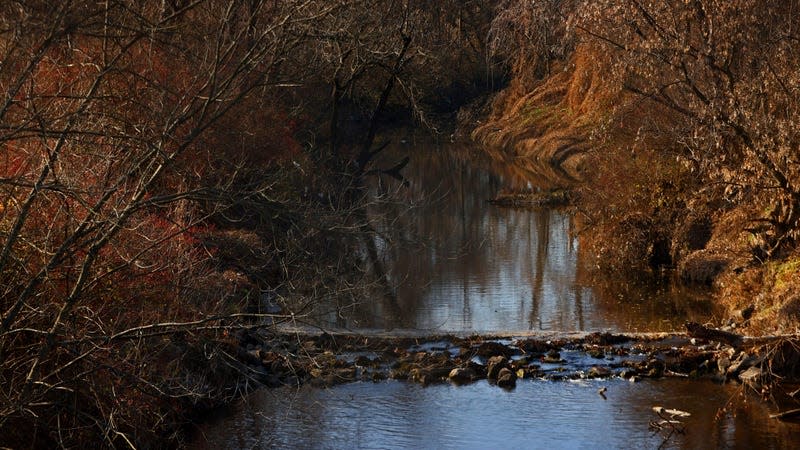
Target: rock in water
461 375
490 348
495 364
506 378
552 357
599 372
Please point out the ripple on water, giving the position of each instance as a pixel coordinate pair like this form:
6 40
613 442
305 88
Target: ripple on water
537 414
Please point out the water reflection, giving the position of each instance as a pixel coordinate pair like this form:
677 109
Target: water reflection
459 264
537 414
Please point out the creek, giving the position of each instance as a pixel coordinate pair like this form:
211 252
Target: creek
460 265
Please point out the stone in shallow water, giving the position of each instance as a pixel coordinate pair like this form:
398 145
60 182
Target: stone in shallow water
596 353
599 372
490 348
534 346
346 374
462 375
506 378
495 365
363 361
553 357
521 362
606 339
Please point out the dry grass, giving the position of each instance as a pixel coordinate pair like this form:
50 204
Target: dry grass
666 181
551 122
773 288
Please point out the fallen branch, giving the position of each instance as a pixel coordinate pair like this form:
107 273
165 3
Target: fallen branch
669 425
786 414
701 332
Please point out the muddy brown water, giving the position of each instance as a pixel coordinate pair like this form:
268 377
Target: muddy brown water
460 265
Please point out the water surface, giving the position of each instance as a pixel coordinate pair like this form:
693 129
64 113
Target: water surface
537 414
458 264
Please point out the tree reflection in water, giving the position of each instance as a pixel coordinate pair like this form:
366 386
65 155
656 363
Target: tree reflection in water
459 264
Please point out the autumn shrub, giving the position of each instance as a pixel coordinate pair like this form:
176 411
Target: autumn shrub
161 166
771 289
630 204
699 116
727 69
529 36
115 319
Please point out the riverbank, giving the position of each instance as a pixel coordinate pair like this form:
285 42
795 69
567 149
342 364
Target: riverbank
661 178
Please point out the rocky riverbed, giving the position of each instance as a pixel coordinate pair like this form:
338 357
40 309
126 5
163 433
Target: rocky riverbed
328 359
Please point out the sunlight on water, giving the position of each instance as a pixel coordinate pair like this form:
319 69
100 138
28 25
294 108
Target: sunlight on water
537 414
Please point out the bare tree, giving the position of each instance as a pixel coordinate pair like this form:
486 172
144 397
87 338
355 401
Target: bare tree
727 70
105 106
143 145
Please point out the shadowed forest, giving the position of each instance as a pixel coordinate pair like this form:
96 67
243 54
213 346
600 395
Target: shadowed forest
171 171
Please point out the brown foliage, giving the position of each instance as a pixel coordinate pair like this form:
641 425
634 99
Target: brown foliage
101 218
726 71
152 184
679 111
